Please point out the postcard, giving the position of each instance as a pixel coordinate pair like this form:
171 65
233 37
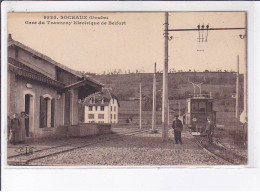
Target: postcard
127 88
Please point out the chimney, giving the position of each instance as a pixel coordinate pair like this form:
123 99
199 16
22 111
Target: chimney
10 37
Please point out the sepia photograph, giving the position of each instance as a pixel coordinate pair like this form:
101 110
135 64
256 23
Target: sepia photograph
127 89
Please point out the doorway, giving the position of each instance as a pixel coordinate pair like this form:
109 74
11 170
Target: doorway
28 112
67 116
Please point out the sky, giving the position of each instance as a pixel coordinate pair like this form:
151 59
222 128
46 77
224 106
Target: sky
135 44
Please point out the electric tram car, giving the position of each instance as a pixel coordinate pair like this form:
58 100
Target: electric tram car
199 109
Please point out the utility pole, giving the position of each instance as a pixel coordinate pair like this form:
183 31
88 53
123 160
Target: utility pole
165 82
244 116
237 88
140 105
154 100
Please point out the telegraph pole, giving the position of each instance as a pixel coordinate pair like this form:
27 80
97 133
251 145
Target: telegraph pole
154 100
244 116
165 82
237 88
140 105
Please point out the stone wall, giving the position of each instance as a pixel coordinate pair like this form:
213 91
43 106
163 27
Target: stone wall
36 91
88 129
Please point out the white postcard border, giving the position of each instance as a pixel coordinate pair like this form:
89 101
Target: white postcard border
157 178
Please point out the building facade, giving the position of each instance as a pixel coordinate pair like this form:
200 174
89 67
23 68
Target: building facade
101 107
46 90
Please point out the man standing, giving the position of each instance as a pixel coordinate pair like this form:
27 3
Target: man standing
22 133
15 124
177 127
210 130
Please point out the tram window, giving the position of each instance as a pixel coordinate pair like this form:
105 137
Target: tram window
202 107
194 107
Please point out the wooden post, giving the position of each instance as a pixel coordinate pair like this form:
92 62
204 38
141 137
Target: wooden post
237 88
154 101
140 105
165 83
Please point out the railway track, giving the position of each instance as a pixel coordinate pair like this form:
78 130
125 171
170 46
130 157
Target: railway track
220 152
23 159
211 153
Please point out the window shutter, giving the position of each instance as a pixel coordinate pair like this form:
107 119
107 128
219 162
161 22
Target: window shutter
52 112
41 111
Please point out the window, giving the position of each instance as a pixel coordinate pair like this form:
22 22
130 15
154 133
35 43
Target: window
101 116
90 108
111 116
197 107
111 108
115 109
202 106
47 110
100 121
96 108
102 108
194 107
91 116
114 116
113 101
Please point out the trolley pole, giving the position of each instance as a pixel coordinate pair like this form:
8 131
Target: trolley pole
140 105
165 83
154 100
237 88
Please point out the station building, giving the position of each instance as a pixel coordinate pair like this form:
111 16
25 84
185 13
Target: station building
101 107
46 90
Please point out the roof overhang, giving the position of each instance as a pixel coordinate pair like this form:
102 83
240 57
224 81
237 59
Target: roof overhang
12 43
36 77
86 82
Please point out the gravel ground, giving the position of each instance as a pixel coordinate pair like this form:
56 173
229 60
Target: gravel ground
133 150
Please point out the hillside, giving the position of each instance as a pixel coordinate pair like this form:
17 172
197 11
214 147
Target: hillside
220 84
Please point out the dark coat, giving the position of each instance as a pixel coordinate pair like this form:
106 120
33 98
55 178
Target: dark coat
15 124
177 125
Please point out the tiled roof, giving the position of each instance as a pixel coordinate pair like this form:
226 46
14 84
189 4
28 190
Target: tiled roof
87 80
46 58
35 76
98 96
23 69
